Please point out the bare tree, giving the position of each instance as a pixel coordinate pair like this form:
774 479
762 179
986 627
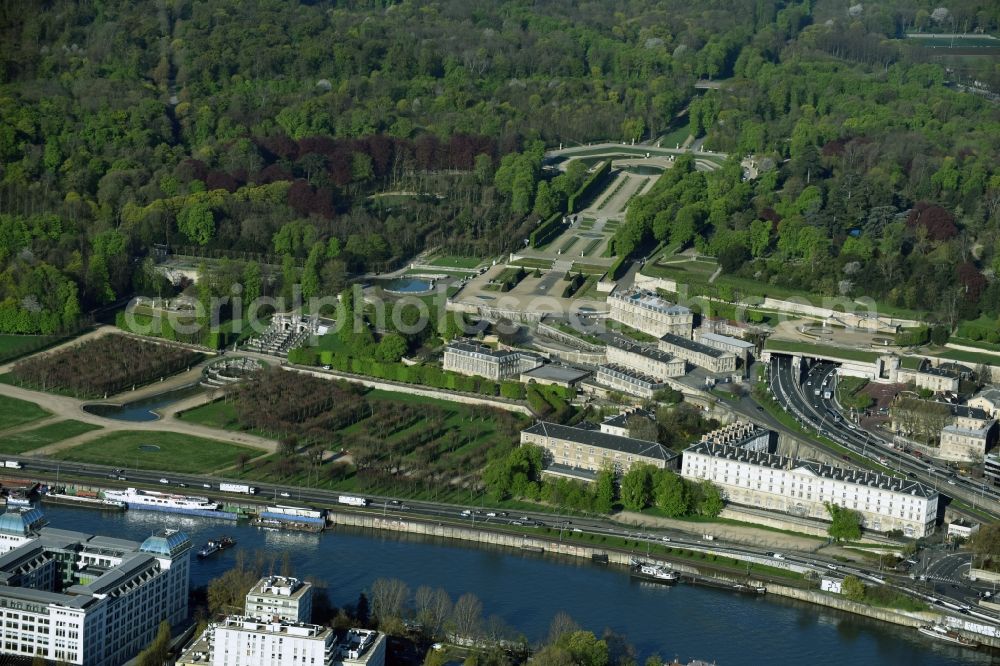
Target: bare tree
561 625
496 630
467 616
433 607
388 597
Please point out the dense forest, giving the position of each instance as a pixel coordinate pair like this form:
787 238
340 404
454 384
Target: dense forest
337 138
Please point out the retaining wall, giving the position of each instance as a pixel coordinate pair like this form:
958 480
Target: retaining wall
796 307
397 387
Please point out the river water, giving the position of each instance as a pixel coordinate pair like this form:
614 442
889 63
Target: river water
527 590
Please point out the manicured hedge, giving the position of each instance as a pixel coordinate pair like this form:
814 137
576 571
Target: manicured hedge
547 230
619 268
579 198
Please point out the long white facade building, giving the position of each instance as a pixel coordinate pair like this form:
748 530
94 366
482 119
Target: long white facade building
471 358
645 311
802 488
81 599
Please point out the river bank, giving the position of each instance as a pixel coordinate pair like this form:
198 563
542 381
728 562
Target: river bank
568 545
620 557
526 589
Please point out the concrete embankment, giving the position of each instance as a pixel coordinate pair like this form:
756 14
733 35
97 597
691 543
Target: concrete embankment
546 544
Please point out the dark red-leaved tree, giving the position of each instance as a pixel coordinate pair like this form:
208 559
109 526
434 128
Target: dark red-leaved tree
973 281
940 224
220 180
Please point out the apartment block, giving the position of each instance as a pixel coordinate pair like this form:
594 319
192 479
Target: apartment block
280 597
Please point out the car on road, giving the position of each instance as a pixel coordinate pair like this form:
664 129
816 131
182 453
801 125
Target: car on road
491 514
577 529
182 485
207 485
164 481
831 567
667 539
122 477
951 482
777 556
516 522
285 494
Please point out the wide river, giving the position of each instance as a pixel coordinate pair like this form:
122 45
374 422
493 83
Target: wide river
527 590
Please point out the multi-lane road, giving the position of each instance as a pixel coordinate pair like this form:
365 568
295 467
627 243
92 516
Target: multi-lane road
938 589
811 399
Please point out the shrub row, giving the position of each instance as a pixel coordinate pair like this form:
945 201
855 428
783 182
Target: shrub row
547 230
575 282
578 199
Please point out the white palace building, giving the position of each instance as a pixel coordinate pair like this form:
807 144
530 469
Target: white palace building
750 475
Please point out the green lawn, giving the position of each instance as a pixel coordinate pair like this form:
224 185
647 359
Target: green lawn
677 135
979 344
825 350
14 412
455 261
29 440
177 452
588 269
695 274
968 357
531 262
16 346
591 246
569 242
219 414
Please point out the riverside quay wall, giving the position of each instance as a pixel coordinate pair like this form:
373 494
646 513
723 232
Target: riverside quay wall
613 556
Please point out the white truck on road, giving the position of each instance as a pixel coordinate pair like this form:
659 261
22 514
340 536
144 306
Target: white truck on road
351 500
237 488
12 464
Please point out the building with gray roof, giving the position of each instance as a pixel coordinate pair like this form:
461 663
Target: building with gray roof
645 311
764 480
84 599
568 448
696 353
468 357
